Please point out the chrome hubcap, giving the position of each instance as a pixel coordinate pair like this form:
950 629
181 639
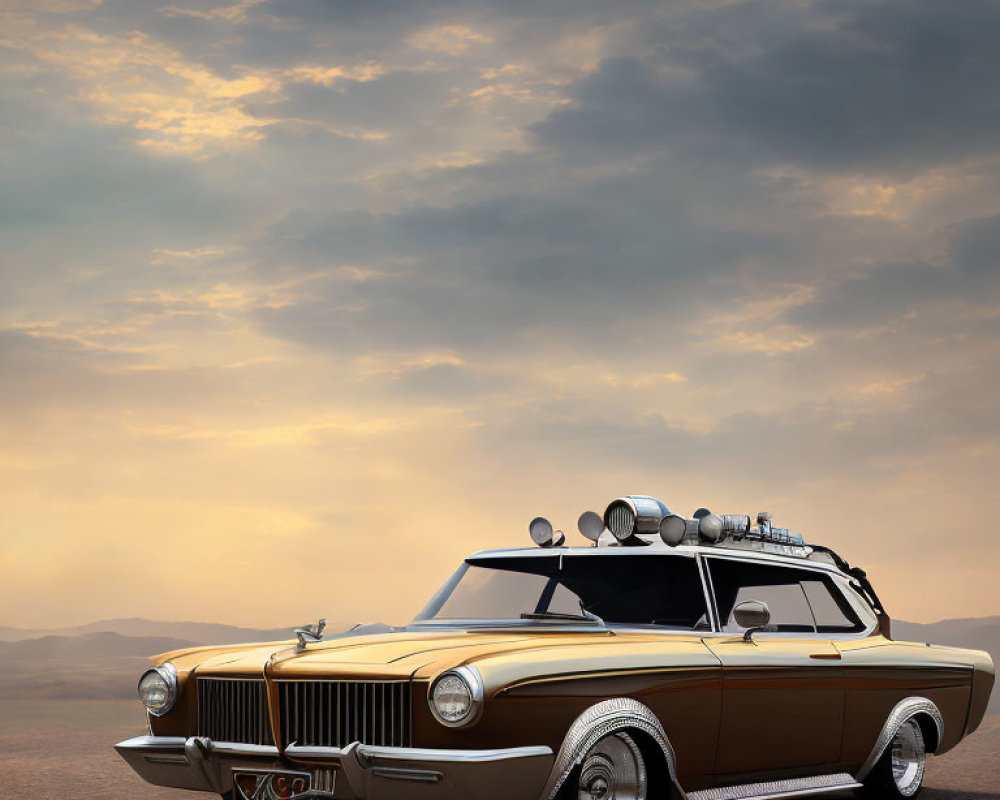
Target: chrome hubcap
613 770
909 755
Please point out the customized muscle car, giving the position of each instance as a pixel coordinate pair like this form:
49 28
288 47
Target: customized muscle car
710 658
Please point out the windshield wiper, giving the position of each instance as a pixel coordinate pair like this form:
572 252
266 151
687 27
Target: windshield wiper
583 616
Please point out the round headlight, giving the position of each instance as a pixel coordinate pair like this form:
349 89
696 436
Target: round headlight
158 689
456 698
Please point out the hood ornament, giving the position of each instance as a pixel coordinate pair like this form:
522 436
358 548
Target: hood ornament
309 633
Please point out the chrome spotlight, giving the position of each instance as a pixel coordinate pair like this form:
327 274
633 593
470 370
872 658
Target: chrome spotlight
715 528
591 525
673 529
543 535
634 515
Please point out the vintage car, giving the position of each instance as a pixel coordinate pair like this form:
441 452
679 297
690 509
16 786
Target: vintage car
706 658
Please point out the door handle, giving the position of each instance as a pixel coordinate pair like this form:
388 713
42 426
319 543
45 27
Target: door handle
826 656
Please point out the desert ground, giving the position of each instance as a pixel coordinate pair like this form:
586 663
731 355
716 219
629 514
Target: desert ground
54 750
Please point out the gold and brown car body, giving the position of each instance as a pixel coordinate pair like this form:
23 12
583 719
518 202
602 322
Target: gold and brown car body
714 708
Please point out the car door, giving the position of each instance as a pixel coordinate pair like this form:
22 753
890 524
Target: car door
784 690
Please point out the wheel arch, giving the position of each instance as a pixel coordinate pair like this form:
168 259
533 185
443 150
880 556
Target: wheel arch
929 728
619 714
922 711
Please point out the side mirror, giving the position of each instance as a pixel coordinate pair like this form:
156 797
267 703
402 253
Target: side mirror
754 615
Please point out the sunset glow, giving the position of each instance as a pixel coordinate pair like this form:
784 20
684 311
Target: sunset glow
300 302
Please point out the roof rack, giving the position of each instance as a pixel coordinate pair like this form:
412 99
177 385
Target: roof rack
639 520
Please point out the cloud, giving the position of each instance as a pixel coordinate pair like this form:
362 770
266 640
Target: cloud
975 246
947 297
175 105
451 40
330 75
237 12
497 270
884 87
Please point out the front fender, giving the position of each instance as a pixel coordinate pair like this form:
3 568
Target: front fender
598 721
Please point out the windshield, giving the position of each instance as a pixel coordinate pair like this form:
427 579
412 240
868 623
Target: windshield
653 590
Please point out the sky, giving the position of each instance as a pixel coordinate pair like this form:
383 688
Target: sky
301 301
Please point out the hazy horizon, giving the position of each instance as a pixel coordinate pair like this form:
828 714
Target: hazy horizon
302 302
332 623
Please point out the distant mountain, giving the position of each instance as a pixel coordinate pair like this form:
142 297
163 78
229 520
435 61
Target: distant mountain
980 633
95 666
89 647
102 660
195 632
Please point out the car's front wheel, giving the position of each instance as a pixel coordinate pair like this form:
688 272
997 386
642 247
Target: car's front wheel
613 768
900 771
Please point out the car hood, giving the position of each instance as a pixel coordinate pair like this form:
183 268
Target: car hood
424 653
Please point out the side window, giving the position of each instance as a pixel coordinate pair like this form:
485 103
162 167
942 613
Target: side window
801 601
832 612
789 607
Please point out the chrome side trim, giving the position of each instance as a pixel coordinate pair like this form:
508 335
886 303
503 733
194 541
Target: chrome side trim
595 723
303 751
176 744
772 790
242 749
411 775
152 743
451 756
903 711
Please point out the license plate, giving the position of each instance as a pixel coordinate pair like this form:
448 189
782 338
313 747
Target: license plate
276 784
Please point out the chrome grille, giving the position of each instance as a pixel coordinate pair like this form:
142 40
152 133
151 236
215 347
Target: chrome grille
233 710
336 713
621 520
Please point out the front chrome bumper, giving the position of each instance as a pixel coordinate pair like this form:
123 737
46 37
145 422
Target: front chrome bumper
364 772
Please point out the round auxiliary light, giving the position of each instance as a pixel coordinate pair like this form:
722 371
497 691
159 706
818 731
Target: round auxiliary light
714 528
456 698
542 534
158 689
672 529
635 514
736 523
711 528
591 525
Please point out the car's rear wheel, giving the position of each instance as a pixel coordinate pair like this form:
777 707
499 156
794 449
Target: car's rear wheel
613 768
900 771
